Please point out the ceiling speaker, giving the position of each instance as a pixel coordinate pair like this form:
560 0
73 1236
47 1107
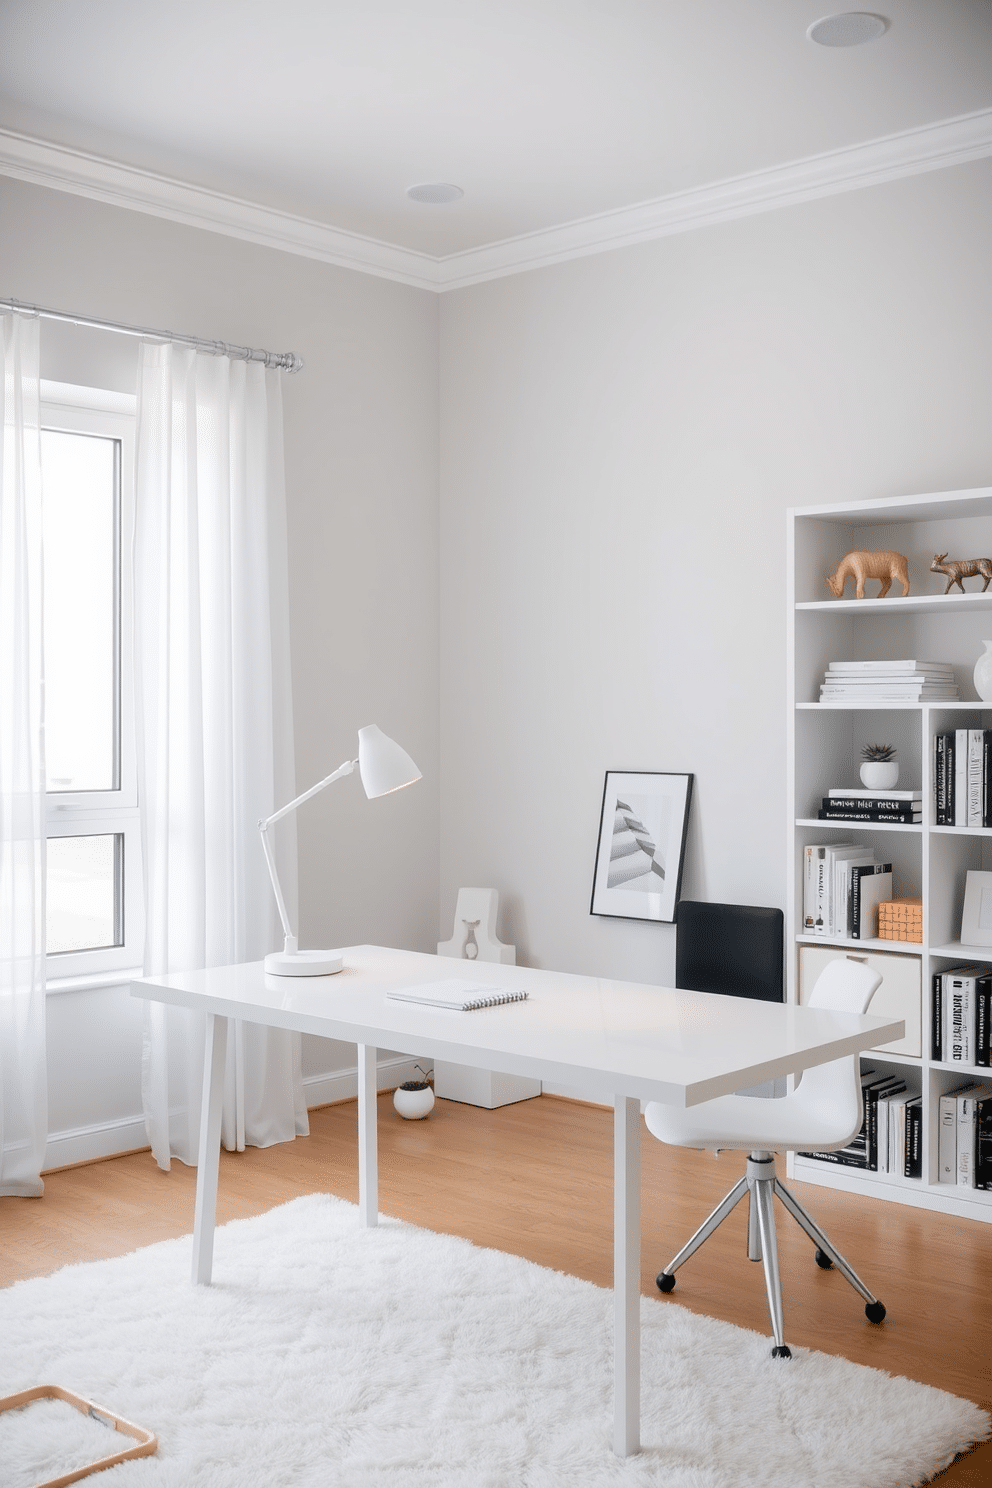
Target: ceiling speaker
850 28
435 193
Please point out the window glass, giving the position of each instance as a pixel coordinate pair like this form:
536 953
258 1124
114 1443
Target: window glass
80 475
83 893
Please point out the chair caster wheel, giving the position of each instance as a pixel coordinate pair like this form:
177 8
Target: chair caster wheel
666 1283
782 1351
823 1260
874 1312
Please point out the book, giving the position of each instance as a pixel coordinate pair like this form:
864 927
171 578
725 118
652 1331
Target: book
947 1139
883 1119
937 1017
976 772
869 886
965 1101
821 859
983 1020
943 668
959 1013
463 996
838 857
960 778
913 1165
842 890
943 777
874 797
897 1135
983 1141
827 813
884 1088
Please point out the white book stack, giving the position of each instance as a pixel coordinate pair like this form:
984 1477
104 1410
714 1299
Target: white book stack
888 682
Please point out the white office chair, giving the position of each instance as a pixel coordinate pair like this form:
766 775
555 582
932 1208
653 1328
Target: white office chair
823 1113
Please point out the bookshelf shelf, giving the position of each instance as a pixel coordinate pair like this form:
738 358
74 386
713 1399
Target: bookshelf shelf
856 826
823 752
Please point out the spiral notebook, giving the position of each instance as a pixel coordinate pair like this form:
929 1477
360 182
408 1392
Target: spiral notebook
465 997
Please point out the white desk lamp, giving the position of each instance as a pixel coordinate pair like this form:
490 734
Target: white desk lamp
384 767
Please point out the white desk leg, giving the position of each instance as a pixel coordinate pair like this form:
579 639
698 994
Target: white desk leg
208 1161
368 1145
626 1276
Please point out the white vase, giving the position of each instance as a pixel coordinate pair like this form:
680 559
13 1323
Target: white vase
879 774
983 674
414 1104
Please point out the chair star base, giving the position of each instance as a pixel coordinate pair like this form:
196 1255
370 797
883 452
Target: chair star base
761 1185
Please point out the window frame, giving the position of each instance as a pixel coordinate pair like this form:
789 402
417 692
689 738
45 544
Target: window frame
108 415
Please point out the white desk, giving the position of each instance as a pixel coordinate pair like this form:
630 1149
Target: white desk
618 1042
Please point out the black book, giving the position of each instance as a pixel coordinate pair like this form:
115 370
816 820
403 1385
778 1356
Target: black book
914 1138
873 803
846 1157
870 814
937 1017
987 778
983 1018
983 1142
944 780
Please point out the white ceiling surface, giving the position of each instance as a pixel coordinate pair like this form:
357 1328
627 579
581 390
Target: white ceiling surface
545 112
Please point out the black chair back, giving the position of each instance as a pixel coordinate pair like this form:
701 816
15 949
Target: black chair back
736 949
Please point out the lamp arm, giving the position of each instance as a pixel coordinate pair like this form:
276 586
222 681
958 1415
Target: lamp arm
291 943
345 769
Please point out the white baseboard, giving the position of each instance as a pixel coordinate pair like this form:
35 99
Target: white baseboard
338 1085
89 1143
82 1144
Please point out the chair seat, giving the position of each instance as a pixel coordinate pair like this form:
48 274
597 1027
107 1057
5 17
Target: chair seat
796 1123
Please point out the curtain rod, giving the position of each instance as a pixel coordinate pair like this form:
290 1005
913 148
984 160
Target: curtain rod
285 361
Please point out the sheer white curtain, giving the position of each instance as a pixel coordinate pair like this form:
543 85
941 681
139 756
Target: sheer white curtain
23 1077
214 724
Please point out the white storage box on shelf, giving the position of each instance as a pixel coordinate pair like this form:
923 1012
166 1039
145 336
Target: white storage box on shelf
825 740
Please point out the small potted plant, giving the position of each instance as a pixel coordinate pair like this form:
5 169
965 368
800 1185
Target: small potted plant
414 1099
880 769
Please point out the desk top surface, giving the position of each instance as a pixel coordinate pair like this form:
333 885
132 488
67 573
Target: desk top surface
604 1036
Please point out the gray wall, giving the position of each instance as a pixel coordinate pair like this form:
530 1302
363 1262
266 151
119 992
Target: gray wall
621 437
361 424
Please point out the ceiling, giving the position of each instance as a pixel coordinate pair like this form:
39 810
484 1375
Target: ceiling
545 112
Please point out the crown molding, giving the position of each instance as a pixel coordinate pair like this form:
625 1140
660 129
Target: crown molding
910 152
949 142
82 174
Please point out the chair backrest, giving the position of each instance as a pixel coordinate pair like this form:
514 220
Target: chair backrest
845 985
735 949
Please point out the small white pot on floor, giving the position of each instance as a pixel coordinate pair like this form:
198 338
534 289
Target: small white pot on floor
414 1100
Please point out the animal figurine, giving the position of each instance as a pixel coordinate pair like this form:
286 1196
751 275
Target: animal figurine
962 568
882 565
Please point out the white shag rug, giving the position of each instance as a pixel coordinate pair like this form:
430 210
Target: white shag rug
326 1355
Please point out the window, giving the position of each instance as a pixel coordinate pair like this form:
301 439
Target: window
94 921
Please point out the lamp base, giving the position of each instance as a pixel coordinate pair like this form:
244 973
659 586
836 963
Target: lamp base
303 963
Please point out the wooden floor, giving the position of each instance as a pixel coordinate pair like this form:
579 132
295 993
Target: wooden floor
536 1179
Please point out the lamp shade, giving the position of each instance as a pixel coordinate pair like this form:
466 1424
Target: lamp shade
382 764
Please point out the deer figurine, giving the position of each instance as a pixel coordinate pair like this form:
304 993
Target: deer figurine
881 565
962 568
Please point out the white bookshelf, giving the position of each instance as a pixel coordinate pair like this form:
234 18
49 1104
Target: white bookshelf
824 744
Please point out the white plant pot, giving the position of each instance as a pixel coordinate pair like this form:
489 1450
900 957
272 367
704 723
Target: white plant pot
414 1104
879 774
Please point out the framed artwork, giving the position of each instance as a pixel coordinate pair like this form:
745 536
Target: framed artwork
976 921
641 846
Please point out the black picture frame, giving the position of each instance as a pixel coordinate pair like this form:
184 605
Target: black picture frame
640 851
